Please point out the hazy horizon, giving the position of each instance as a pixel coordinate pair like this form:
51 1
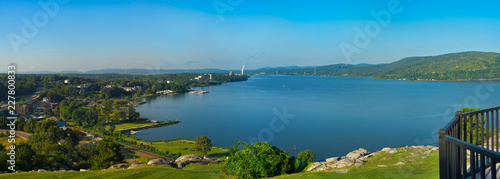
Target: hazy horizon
67 35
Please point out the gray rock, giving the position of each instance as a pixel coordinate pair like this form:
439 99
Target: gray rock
357 153
160 162
382 165
42 170
313 166
84 170
333 159
187 159
358 164
424 157
119 166
136 164
341 165
321 168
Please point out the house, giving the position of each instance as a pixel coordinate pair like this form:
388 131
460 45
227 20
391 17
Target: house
22 109
62 124
66 81
200 78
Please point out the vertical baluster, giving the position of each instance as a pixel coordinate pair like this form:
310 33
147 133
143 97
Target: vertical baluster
473 165
493 172
476 138
471 133
487 138
483 169
487 128
464 162
496 133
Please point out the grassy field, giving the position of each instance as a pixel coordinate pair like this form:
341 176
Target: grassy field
420 168
131 124
185 147
5 141
149 172
130 156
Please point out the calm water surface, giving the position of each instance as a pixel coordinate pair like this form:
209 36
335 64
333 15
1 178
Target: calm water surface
329 115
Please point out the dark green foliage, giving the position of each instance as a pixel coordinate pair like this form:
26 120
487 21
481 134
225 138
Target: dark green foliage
306 156
48 112
113 92
259 160
475 120
108 154
202 144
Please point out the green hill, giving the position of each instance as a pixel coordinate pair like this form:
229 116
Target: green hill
453 66
383 165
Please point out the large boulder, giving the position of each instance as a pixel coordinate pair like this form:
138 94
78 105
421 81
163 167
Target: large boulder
187 159
207 160
119 166
313 166
160 162
357 153
136 164
333 159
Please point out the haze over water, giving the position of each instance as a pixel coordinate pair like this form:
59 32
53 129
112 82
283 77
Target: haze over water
333 115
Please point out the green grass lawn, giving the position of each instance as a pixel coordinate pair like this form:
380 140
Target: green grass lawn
149 172
131 124
421 168
185 149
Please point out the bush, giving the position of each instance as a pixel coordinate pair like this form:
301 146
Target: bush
203 145
306 156
259 160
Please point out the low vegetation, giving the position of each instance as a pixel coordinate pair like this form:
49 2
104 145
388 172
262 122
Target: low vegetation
259 160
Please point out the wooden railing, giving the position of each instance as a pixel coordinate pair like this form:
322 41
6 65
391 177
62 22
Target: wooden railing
468 145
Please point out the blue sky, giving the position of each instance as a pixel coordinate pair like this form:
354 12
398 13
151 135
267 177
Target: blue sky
187 34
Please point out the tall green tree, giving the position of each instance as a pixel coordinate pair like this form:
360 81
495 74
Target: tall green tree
202 144
108 154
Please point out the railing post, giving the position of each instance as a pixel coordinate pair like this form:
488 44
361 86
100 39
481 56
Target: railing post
443 163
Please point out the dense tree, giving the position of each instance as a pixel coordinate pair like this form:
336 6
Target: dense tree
132 115
306 156
109 154
259 160
202 144
48 112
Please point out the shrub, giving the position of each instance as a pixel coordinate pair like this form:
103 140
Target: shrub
259 160
306 156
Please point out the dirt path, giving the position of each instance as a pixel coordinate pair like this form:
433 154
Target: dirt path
21 134
144 153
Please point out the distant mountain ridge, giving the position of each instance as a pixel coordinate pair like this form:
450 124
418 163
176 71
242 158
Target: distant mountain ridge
470 65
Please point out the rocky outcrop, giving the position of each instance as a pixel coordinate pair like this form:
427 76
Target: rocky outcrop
358 157
160 162
193 158
357 153
119 166
136 164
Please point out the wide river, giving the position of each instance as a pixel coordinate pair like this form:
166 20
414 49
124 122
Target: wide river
329 115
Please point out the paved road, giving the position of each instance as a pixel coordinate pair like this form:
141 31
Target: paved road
21 134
